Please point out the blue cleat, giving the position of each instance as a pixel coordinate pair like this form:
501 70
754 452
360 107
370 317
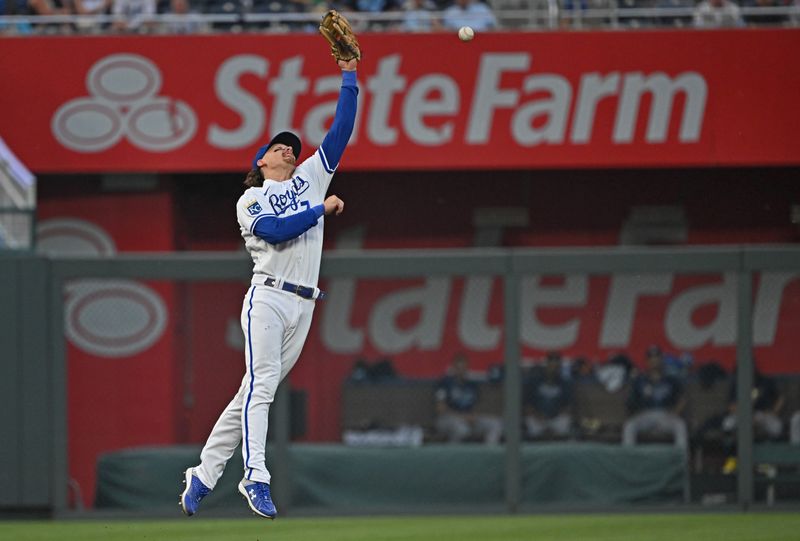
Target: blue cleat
258 498
193 494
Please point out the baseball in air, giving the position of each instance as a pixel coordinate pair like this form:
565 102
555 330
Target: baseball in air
465 33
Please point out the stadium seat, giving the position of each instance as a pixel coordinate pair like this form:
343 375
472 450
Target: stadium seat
490 399
600 414
388 405
391 404
789 389
703 403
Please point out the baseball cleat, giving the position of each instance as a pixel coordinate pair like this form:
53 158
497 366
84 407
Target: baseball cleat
258 498
193 494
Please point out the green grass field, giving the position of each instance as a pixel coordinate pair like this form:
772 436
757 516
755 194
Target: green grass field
651 527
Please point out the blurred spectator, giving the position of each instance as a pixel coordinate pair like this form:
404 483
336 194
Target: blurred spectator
636 21
269 7
91 8
767 404
569 12
548 401
678 366
14 7
656 402
767 424
717 13
456 396
132 14
375 6
419 16
614 373
469 13
313 6
684 20
581 368
360 371
496 373
585 13
794 429
372 7
49 7
380 370
766 18
189 23
570 5
52 8
319 7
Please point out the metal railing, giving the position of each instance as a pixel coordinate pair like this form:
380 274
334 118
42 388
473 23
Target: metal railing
546 15
17 202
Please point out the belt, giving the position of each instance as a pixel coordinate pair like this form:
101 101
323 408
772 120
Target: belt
311 293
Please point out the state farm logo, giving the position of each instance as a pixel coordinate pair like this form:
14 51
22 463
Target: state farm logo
123 102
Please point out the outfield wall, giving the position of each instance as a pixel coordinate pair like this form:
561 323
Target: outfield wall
510 264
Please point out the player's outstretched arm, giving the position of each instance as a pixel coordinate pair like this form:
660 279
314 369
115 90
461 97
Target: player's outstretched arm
342 127
276 230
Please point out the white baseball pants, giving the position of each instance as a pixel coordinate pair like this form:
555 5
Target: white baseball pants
656 420
275 325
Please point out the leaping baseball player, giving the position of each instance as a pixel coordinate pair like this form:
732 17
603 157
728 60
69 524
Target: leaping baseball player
281 219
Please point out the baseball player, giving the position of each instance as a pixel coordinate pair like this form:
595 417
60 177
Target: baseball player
281 219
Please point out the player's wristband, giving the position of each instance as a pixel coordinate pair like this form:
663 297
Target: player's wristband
349 78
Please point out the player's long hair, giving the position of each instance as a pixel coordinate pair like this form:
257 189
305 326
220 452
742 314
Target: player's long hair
254 179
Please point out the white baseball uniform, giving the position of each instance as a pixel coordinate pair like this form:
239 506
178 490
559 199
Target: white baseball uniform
276 317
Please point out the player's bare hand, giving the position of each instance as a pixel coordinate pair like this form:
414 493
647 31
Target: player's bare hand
333 205
348 65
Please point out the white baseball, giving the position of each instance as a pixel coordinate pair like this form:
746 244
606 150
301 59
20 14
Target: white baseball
465 33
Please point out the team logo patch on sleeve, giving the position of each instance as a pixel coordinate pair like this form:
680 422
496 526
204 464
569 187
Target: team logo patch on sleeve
253 208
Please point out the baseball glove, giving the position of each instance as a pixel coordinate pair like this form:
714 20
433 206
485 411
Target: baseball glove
337 30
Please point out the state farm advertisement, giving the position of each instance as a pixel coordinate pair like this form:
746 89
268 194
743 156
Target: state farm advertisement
503 100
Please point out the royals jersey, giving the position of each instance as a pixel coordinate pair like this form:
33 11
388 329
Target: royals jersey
459 395
652 393
296 260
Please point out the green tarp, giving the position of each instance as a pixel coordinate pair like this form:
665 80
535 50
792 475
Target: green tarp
359 478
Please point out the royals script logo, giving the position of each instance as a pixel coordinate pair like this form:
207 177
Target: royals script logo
123 103
282 202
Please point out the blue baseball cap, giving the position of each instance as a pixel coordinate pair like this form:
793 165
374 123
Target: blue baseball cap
283 138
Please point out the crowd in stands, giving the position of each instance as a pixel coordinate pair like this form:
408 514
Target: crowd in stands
189 16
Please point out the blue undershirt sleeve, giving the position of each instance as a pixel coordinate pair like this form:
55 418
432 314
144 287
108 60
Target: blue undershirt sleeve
276 230
343 121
